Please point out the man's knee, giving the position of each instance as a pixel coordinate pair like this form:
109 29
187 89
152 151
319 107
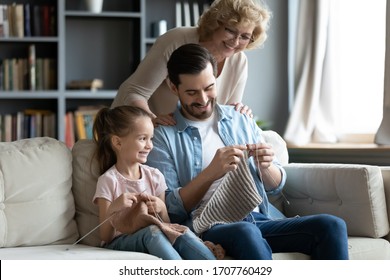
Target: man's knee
331 223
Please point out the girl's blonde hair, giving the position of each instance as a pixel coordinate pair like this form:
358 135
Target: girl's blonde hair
108 122
233 13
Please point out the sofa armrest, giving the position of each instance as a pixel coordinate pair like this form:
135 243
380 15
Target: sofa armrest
386 183
352 192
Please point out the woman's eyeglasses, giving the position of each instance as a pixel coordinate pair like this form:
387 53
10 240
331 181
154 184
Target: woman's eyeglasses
233 35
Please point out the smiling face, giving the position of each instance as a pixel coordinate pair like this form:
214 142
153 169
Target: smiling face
228 40
197 93
136 145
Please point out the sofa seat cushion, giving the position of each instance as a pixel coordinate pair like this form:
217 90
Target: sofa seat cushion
69 252
289 256
359 248
36 202
363 248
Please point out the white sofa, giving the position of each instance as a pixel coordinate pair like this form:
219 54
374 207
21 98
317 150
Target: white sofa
46 192
43 210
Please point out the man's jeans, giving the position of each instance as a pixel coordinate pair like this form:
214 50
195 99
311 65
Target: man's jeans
323 237
153 241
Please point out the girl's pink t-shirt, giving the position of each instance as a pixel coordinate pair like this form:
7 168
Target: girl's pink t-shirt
112 184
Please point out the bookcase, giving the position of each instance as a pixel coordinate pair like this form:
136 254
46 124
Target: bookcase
71 43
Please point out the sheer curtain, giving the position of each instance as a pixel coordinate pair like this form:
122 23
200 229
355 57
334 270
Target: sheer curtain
313 74
382 136
311 82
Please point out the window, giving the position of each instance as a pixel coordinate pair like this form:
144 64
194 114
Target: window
361 43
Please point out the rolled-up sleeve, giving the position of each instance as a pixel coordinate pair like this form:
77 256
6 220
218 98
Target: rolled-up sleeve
282 181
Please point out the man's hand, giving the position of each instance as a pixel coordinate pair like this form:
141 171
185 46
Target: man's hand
262 153
226 159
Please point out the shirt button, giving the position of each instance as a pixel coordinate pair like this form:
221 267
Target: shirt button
195 138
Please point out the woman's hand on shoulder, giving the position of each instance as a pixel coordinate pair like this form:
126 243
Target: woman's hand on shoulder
164 120
243 109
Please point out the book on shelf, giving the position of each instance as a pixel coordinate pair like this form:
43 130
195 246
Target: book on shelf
20 74
84 118
40 123
7 128
93 84
1 128
186 13
70 137
31 67
178 14
37 23
4 22
44 20
195 12
27 124
14 14
25 20
18 20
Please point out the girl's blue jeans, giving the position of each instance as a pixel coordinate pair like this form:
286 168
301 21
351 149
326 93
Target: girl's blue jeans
323 237
153 241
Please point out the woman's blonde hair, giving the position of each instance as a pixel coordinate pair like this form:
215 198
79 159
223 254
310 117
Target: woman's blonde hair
233 13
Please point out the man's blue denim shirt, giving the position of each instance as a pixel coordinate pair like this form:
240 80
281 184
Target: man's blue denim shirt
177 153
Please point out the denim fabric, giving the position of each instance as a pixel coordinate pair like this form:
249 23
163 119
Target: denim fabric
323 237
151 240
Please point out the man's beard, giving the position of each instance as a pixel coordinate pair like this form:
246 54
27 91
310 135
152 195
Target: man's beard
192 111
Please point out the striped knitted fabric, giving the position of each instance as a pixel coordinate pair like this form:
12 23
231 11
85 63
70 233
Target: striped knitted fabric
232 201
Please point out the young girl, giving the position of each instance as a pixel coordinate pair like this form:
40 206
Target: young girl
124 140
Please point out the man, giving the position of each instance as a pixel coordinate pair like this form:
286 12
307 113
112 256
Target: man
207 142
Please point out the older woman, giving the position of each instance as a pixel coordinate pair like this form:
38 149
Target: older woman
226 29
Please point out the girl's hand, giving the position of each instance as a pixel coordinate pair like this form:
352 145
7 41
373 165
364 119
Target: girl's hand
155 205
243 109
125 200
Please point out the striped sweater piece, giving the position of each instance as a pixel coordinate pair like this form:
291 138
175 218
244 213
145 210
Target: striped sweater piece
232 201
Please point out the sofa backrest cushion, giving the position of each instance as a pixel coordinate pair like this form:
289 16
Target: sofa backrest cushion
85 176
36 202
350 191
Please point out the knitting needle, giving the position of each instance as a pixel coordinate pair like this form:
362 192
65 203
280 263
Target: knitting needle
92 230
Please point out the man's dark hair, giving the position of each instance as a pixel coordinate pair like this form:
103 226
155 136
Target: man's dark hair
189 59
